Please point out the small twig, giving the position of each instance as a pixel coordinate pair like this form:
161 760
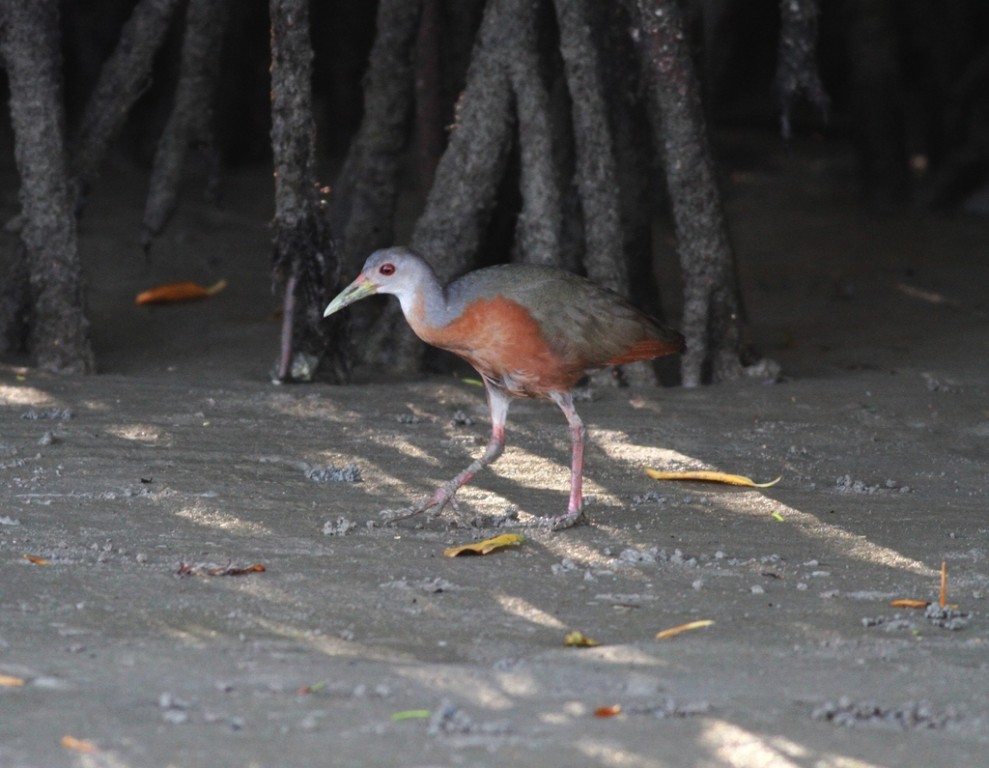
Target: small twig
943 599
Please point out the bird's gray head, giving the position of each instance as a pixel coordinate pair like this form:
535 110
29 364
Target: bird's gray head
397 271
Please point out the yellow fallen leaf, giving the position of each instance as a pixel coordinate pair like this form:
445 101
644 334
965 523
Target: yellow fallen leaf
578 639
485 546
79 745
710 477
909 603
9 681
35 559
674 631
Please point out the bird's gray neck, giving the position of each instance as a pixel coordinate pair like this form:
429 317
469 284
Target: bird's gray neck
428 303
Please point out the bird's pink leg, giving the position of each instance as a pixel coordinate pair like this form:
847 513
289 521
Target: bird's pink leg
498 403
578 435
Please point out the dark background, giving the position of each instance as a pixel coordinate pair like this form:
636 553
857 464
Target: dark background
907 80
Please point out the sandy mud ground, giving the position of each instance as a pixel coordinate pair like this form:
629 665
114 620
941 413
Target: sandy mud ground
361 644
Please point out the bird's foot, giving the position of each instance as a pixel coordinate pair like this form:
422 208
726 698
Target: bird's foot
389 516
433 506
558 522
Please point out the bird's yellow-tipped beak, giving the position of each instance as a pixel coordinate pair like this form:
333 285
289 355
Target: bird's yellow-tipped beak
357 290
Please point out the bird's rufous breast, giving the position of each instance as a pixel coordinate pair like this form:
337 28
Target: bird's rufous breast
505 343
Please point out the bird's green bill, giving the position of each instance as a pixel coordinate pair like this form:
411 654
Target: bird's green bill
357 290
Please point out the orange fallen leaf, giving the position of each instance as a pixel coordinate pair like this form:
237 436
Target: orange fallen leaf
709 476
184 291
614 709
909 603
485 546
36 560
674 631
79 745
578 639
9 681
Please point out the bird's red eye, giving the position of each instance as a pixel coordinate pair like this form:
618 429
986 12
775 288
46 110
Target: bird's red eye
387 269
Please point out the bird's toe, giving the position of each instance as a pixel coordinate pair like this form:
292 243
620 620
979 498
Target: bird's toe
560 522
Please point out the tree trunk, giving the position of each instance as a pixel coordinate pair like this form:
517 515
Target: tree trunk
58 337
367 188
15 304
796 68
366 193
540 222
429 93
459 207
302 237
123 78
634 158
877 100
711 312
464 191
192 114
597 177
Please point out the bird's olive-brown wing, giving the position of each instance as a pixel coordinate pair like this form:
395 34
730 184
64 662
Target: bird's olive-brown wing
587 324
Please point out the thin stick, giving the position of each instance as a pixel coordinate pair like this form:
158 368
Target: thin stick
943 600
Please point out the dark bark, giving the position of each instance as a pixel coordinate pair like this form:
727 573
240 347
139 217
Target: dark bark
459 207
460 202
15 304
796 69
123 78
301 238
711 313
597 177
190 122
634 158
58 336
564 159
464 192
539 225
463 21
366 191
429 110
877 100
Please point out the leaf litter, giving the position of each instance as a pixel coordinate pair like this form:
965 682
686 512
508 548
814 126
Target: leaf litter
214 569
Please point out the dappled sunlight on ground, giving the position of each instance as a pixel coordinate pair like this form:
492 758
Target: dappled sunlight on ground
143 433
517 606
843 543
207 516
23 395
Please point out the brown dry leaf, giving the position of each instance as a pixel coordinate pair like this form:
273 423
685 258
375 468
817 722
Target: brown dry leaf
9 681
674 631
172 292
79 745
909 603
212 569
578 639
614 709
485 546
709 476
36 560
